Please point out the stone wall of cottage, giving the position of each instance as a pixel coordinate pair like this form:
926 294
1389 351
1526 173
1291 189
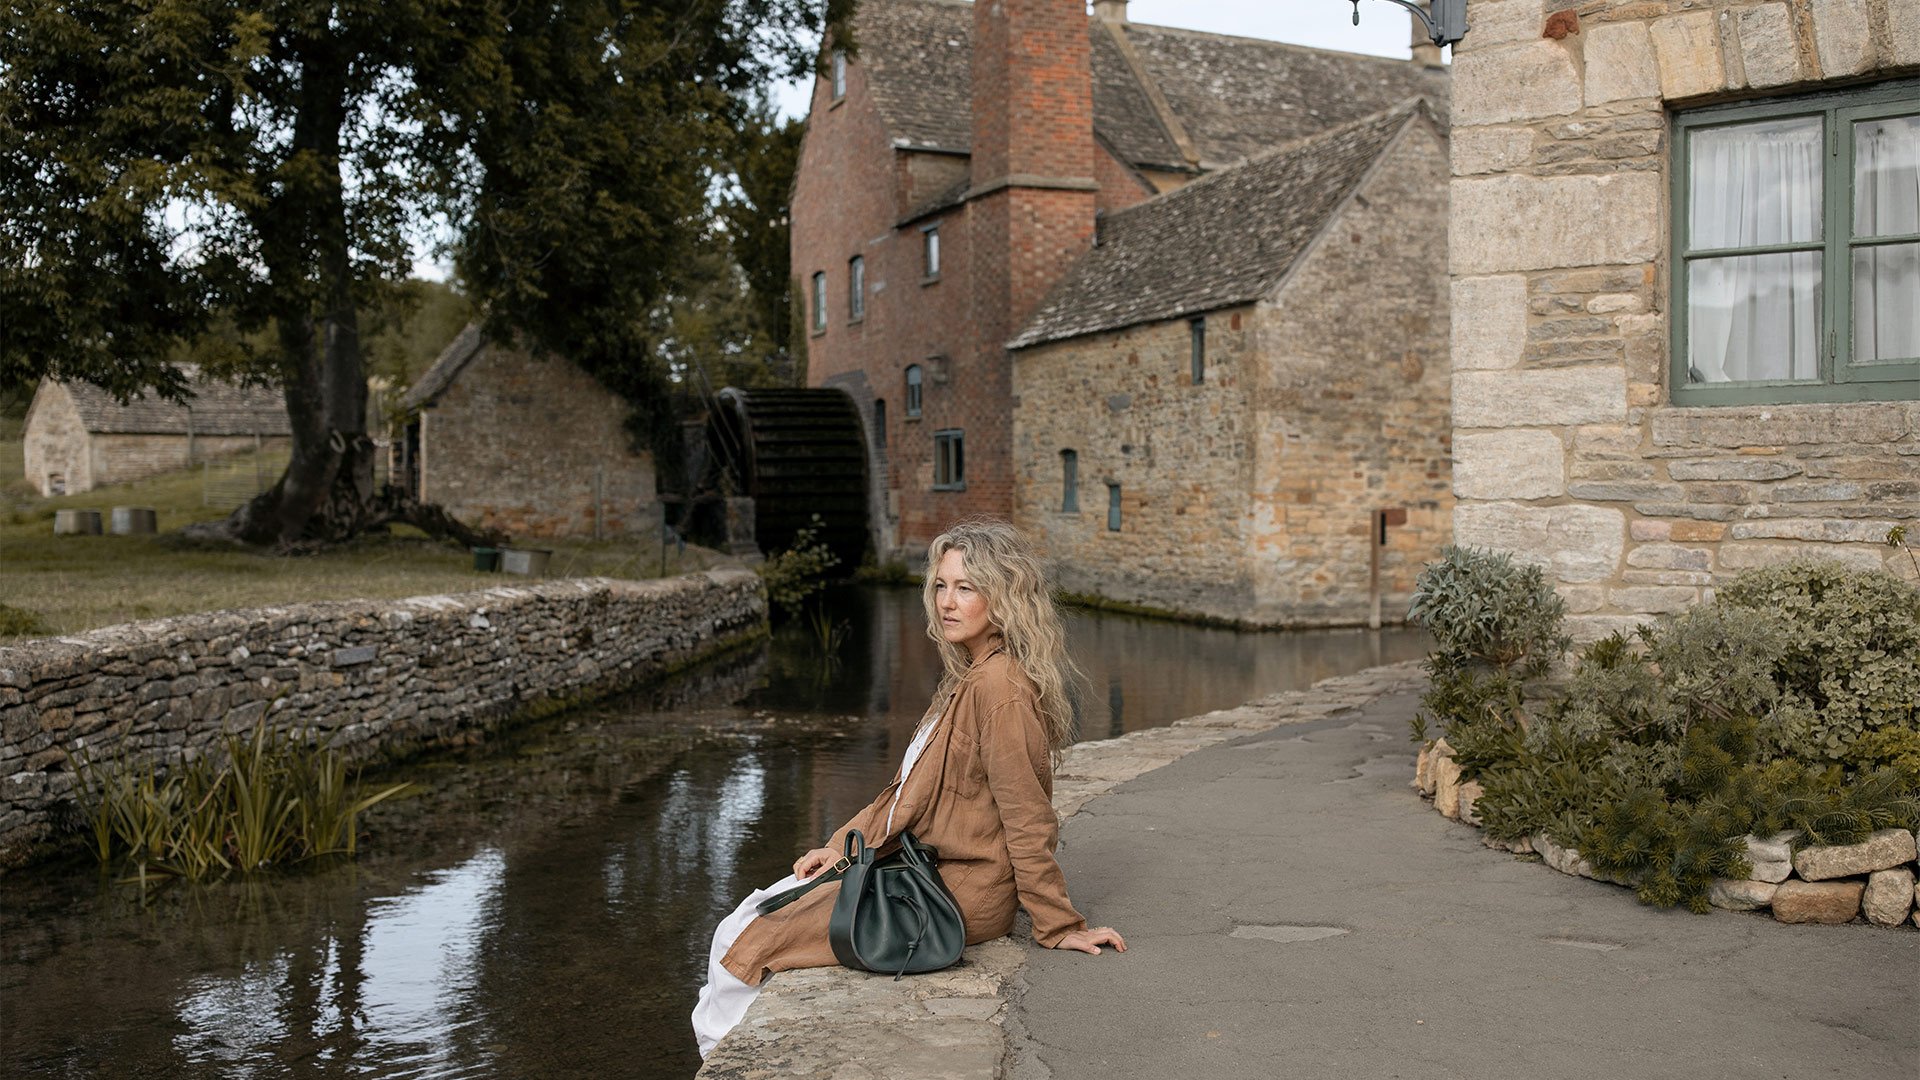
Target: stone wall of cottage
1568 450
1249 497
536 448
1182 454
56 444
372 678
1352 401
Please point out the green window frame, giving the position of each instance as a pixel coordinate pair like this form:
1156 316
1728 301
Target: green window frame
1840 377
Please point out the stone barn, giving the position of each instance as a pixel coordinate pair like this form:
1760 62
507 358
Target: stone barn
1229 396
78 438
529 445
1685 249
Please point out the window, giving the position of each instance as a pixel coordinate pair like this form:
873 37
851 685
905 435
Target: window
1069 482
949 461
930 251
838 66
880 422
913 389
820 300
1113 507
1197 338
857 288
1796 240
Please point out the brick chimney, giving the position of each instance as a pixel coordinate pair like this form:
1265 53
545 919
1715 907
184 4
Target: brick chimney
1030 208
1033 150
1425 52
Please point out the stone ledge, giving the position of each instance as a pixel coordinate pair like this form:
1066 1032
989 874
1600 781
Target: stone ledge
952 1024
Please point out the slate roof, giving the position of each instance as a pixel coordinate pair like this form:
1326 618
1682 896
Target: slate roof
1235 96
446 367
1226 238
216 408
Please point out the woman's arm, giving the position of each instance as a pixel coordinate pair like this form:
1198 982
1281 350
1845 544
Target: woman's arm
1014 751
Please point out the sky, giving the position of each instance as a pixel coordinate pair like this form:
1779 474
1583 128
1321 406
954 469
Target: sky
1384 28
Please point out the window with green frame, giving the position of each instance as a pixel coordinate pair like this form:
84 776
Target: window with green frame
1796 249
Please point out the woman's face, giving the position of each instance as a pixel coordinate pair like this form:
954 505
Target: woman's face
961 607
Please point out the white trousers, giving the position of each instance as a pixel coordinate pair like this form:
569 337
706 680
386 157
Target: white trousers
724 1000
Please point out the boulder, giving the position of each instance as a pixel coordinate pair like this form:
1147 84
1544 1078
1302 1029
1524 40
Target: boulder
1884 849
1771 872
1423 768
1740 895
1775 848
1888 896
1420 769
1565 860
1817 901
1470 793
1446 786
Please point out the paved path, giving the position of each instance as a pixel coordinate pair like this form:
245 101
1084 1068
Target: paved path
1295 910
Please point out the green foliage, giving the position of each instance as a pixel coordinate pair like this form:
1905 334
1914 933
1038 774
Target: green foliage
1495 625
1787 704
273 798
1484 610
1851 659
793 575
246 180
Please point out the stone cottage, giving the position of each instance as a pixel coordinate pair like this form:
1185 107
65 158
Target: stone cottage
77 437
532 446
1685 248
951 175
1223 403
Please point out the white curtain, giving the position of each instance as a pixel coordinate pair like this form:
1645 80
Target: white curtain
1886 202
1754 316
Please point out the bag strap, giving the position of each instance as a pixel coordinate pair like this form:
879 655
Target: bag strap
856 847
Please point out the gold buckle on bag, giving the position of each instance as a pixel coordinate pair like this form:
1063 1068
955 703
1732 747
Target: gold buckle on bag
841 865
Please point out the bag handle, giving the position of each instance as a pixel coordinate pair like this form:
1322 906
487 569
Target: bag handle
857 851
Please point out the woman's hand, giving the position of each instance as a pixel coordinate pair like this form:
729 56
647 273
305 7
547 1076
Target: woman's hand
814 861
1090 940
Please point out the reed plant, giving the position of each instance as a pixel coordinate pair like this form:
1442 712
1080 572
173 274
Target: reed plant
264 798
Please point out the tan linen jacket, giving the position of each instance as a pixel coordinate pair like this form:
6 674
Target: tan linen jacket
982 795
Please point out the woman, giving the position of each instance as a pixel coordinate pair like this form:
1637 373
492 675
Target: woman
976 783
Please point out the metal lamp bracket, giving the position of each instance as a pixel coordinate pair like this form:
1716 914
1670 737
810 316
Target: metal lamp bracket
1445 26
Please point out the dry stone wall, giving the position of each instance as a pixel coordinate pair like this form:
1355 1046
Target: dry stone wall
1568 449
372 678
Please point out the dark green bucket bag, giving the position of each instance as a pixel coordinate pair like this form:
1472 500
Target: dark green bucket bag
893 915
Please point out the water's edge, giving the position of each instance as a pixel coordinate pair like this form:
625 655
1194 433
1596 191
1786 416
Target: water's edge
960 1022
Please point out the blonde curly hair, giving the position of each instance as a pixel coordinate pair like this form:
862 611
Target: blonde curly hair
1002 566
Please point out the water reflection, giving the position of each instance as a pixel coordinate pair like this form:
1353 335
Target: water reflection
541 908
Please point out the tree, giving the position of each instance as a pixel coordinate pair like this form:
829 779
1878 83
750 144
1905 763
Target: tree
757 213
215 174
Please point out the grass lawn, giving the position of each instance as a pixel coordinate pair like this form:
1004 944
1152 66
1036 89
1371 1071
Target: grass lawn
66 584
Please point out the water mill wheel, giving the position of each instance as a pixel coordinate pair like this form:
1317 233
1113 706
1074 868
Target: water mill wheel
796 453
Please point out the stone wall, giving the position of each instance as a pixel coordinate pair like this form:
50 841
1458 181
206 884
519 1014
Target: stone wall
373 678
537 448
1568 449
1249 497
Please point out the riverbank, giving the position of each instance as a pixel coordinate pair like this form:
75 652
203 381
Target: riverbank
961 1023
375 679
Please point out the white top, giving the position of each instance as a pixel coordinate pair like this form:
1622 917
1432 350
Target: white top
914 748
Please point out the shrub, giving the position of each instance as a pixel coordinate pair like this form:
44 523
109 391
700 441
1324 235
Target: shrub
1851 663
20 622
793 575
1788 703
1495 625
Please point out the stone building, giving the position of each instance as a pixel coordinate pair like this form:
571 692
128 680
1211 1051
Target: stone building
1686 290
952 173
1217 400
77 437
532 446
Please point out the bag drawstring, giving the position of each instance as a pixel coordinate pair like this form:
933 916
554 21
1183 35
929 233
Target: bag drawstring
907 961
